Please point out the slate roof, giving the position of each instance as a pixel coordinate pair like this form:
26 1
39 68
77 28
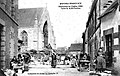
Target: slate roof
27 16
76 47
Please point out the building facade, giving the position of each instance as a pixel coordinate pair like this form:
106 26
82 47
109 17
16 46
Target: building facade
8 31
105 32
35 29
91 36
75 49
110 34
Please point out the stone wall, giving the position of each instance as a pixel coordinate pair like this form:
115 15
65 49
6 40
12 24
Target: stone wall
9 39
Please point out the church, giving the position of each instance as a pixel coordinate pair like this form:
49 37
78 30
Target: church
35 29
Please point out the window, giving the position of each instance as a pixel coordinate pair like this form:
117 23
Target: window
45 33
24 38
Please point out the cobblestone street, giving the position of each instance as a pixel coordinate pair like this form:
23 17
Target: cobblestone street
46 70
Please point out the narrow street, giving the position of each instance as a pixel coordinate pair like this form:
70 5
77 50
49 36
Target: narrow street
46 70
60 38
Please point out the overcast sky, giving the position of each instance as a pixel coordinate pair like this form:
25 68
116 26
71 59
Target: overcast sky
68 24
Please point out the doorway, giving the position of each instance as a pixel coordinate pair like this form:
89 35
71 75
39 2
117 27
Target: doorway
109 52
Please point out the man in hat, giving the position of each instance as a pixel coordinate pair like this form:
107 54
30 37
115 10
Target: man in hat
100 62
53 62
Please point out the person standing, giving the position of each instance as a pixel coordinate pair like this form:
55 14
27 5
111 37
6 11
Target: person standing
13 61
100 62
19 59
53 62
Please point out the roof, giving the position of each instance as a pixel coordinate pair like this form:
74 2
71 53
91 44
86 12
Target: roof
91 11
27 16
112 8
76 47
61 50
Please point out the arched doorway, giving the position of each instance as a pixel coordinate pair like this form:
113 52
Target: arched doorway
45 33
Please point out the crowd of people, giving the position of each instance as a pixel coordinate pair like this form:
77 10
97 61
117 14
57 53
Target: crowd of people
20 60
83 61
79 61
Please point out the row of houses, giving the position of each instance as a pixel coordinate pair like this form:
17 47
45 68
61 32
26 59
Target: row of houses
102 31
31 26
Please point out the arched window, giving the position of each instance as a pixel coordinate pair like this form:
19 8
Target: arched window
45 33
24 38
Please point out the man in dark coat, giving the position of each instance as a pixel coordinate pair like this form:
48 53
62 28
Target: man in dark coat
53 62
100 62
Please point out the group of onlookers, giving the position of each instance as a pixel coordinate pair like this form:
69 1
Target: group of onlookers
83 61
20 60
99 61
74 61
